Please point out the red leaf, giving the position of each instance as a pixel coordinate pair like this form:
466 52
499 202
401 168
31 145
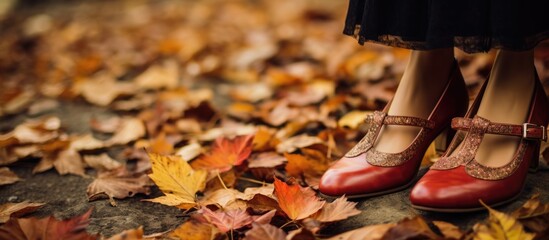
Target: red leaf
297 202
226 153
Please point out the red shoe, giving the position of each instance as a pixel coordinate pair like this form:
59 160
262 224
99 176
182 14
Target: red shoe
365 172
457 183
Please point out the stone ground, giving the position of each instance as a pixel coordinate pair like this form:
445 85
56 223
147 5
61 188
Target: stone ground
66 195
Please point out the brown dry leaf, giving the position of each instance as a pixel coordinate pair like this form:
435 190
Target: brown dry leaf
242 111
353 119
85 142
118 184
42 106
130 234
131 129
251 92
227 220
280 114
188 126
47 228
534 215
448 230
297 202
301 141
337 210
7 176
160 145
264 139
226 153
103 89
8 210
17 103
311 165
189 152
301 234
177 180
36 130
221 197
372 232
265 232
102 162
69 162
194 230
165 75
410 228
266 160
108 125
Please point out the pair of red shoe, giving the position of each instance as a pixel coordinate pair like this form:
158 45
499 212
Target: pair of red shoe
456 182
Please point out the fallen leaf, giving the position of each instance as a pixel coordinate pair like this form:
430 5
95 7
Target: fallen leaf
448 230
311 165
47 228
297 202
85 142
221 197
301 234
226 153
7 176
500 226
165 75
292 144
337 210
411 228
265 232
189 152
42 106
177 180
353 119
371 232
102 89
117 184
227 220
131 129
69 162
534 215
194 230
108 125
130 234
8 210
266 160
102 162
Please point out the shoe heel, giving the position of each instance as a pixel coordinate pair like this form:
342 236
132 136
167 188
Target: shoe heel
443 140
534 163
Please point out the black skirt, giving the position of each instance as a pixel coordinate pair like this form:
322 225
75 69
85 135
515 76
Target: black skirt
471 25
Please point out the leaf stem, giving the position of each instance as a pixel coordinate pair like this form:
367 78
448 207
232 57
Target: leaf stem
251 180
285 224
221 180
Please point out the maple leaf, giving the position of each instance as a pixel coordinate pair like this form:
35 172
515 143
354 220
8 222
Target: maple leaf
265 232
226 153
337 210
7 176
177 180
47 228
118 184
227 220
17 209
297 202
500 226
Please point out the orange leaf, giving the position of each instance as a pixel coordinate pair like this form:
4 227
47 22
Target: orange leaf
226 153
297 202
47 228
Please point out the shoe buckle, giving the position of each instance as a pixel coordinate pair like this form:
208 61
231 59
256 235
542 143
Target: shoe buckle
527 126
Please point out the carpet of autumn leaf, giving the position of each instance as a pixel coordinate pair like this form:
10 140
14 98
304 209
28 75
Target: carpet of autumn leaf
227 113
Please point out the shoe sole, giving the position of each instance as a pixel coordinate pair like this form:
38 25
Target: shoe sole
374 194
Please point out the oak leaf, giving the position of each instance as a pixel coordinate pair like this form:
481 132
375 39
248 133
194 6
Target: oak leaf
337 210
297 202
118 184
47 228
8 210
177 180
265 232
226 153
500 226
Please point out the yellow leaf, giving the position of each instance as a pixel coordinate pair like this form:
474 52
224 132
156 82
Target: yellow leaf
177 180
353 119
500 226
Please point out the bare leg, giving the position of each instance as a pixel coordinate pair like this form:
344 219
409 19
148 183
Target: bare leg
506 100
421 86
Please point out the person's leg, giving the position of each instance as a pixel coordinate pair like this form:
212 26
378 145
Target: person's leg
422 84
506 100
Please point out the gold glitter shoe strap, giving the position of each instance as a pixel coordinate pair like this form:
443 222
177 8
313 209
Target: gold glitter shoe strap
409 121
527 131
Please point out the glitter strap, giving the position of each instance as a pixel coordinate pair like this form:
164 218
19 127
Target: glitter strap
409 121
527 131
